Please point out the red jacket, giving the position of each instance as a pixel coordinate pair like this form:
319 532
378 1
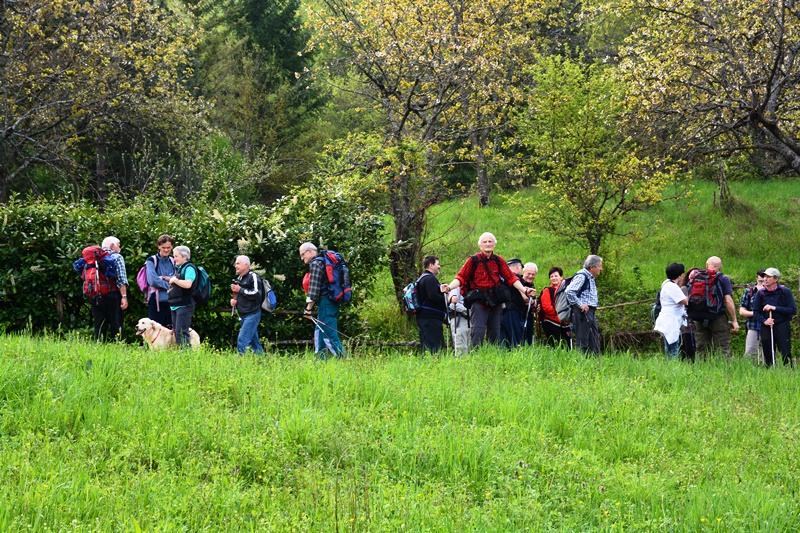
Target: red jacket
473 275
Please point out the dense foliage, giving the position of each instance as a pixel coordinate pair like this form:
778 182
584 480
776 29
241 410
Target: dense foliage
41 239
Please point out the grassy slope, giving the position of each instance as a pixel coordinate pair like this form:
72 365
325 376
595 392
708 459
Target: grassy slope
761 233
117 438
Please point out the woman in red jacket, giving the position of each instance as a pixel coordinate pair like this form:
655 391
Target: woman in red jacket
555 331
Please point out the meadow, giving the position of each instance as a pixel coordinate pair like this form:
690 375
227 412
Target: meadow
118 438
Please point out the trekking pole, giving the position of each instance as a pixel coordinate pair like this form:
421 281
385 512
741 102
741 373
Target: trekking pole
318 322
772 342
447 316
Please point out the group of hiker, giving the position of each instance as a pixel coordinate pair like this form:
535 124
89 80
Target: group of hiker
490 300
493 300
174 286
697 313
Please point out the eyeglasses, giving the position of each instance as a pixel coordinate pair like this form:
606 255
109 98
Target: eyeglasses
760 280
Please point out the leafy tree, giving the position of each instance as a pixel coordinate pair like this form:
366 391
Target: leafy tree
74 73
437 72
250 57
717 77
594 172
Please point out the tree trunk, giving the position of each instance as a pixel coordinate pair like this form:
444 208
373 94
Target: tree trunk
101 171
406 249
478 140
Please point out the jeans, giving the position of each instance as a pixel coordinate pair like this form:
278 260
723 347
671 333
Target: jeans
671 350
326 337
181 322
248 334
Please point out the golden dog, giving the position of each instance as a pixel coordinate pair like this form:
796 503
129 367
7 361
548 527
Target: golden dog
159 337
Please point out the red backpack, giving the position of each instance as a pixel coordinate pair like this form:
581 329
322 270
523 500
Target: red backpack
96 272
706 301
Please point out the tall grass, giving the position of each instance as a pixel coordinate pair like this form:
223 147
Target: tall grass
115 438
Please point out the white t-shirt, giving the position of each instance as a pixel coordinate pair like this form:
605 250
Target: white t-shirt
672 314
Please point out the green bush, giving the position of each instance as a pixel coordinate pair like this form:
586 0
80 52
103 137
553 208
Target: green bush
41 239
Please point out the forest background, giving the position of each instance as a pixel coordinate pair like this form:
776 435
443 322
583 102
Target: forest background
249 126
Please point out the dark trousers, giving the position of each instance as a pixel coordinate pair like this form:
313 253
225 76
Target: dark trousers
512 328
181 322
430 334
587 333
107 316
485 322
782 342
164 316
555 333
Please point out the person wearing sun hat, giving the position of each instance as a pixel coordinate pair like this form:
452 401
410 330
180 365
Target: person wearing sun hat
774 308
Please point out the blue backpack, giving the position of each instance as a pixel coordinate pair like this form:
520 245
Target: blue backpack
411 303
339 288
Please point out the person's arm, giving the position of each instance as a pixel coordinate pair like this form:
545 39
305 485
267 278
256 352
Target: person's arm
186 283
153 279
731 308
789 309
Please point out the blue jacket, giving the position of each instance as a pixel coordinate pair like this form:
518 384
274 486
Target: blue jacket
165 267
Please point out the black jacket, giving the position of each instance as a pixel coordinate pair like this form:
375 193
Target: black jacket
430 297
248 299
178 296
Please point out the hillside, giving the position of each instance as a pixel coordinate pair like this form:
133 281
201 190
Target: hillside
761 232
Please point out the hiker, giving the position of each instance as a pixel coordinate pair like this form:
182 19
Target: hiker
433 306
486 278
326 325
247 295
714 330
180 295
515 265
752 343
460 326
555 331
582 297
529 271
687 349
673 310
774 308
160 267
105 283
513 324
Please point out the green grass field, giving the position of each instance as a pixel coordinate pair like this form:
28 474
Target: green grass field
118 438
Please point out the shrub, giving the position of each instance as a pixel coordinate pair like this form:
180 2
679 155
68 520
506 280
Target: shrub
41 238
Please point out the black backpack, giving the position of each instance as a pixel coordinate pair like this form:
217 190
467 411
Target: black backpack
655 307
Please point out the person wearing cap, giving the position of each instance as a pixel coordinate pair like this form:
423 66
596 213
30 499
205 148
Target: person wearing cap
752 348
774 308
486 281
512 328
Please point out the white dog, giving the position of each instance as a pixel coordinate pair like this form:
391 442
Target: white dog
159 337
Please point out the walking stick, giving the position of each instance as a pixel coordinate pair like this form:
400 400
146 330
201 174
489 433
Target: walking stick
447 316
772 342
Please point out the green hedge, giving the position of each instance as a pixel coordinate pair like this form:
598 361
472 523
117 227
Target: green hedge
41 238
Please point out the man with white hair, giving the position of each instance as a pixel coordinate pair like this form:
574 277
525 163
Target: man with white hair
774 308
581 294
247 297
107 311
485 280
